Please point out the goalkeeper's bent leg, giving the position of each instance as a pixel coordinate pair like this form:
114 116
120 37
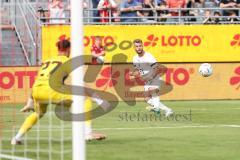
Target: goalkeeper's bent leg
29 122
88 124
89 134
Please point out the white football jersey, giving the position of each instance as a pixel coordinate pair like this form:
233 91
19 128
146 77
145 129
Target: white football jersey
144 64
56 14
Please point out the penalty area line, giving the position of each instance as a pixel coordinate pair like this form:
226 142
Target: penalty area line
13 157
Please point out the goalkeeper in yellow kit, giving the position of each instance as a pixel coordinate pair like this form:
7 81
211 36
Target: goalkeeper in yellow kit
43 94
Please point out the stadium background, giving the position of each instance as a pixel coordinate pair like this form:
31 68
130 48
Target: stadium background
182 53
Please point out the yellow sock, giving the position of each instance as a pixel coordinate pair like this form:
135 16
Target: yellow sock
29 122
88 107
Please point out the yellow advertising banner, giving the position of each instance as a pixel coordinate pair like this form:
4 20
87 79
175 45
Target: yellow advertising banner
168 43
179 82
16 83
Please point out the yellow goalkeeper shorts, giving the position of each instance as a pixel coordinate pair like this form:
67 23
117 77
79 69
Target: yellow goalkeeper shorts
44 95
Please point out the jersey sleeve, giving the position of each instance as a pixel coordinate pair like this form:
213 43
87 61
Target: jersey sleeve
134 63
152 61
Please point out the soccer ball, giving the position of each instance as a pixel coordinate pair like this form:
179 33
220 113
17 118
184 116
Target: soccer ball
205 69
100 59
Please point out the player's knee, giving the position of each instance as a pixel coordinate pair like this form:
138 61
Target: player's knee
147 95
65 103
153 91
150 89
41 114
147 98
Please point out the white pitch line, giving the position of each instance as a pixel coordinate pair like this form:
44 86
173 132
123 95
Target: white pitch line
168 127
146 128
233 126
13 157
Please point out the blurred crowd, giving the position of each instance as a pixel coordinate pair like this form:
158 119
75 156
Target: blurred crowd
151 11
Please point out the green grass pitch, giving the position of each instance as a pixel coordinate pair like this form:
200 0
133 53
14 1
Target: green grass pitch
210 132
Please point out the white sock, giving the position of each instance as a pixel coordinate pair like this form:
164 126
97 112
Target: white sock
149 101
30 102
155 102
103 103
163 107
87 129
19 136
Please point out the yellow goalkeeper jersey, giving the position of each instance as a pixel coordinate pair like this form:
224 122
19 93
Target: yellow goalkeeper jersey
48 68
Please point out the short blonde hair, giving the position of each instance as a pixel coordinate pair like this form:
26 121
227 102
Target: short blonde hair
137 41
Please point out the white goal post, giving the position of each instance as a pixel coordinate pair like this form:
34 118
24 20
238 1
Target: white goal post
78 139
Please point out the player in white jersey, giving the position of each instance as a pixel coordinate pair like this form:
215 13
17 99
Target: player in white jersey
146 68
